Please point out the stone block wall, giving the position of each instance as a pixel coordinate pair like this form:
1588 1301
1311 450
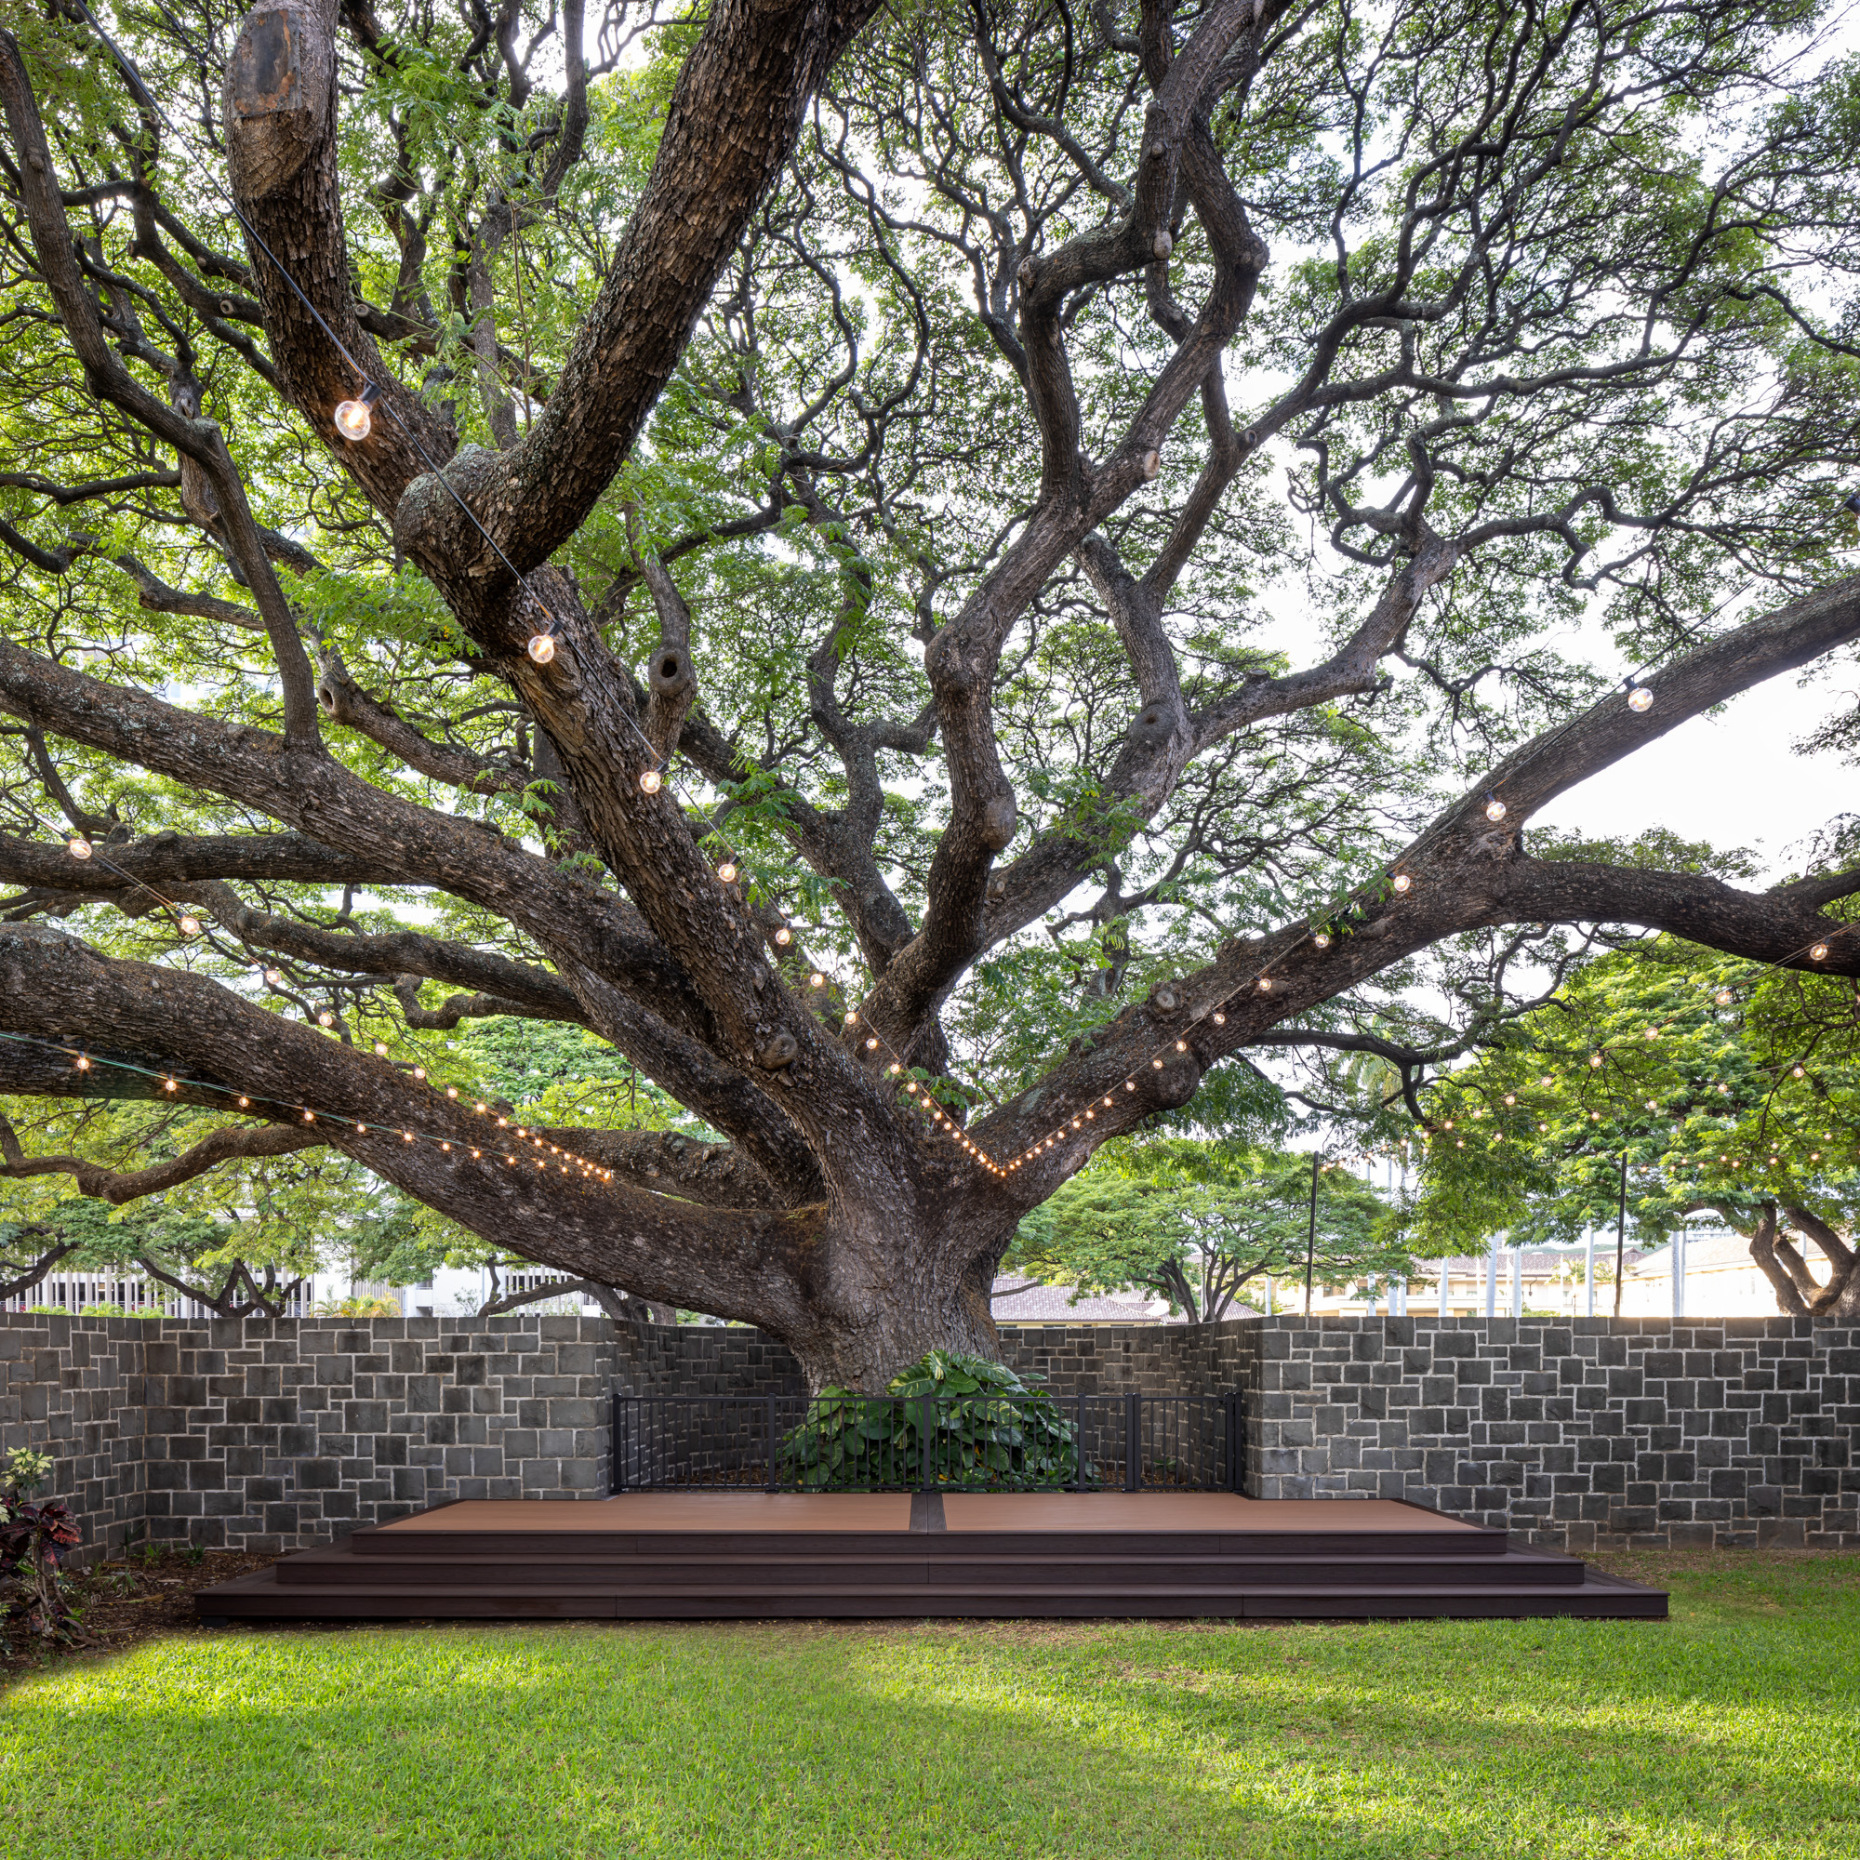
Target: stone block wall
277 1435
1578 1434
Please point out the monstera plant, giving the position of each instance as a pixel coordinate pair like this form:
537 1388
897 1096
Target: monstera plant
980 1428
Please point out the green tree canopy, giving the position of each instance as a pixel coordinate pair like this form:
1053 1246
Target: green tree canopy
1723 1086
1196 1222
934 580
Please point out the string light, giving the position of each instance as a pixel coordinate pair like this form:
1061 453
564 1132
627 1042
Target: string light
353 418
83 1062
1819 953
1401 882
1494 809
1639 697
78 848
1321 940
541 647
652 781
784 936
727 871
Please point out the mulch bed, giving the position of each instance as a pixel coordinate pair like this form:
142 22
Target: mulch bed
124 1604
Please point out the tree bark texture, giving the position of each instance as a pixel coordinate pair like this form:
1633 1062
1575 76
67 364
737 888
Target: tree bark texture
837 1210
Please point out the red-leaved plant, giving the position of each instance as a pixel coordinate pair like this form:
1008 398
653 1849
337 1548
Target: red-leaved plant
32 1534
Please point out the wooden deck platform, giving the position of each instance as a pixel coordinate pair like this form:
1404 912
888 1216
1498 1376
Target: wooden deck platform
758 1556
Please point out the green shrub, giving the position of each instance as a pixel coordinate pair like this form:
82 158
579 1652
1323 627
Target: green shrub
990 1433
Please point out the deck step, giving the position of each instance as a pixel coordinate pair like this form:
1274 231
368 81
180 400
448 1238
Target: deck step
917 1567
396 1543
261 1596
781 1558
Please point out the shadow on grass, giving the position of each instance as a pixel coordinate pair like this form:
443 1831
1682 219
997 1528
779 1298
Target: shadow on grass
1725 1734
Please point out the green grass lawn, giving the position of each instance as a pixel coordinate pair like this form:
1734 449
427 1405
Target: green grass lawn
1730 1731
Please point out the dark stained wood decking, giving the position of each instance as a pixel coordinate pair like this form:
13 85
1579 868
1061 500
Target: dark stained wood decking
856 1556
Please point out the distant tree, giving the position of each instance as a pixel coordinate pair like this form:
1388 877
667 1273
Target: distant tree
1196 1222
1685 1083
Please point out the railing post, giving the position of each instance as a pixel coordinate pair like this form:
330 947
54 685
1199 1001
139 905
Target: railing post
613 1439
773 1481
1232 1404
1078 1445
1133 1446
927 1426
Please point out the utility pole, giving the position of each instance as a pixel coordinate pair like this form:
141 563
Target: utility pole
1621 1234
1311 1231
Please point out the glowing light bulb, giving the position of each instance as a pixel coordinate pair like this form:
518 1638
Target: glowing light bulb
727 871
1181 1046
784 936
381 1048
871 1046
273 977
190 925
83 1062
326 1018
1157 1063
1495 809
652 781
1265 984
816 980
1511 1097
1640 699
352 418
452 1091
244 1103
541 647
1220 1019
1401 882
1799 1072
1724 997
78 848
1819 953
1321 940
1595 1059
419 1072
852 1015
309 1117
1130 1084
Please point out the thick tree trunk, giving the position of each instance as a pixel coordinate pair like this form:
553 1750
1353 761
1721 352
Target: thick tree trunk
891 1289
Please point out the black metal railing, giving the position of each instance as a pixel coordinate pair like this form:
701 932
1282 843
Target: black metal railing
911 1443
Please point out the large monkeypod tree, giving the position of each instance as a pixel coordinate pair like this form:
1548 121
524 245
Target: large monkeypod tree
1108 521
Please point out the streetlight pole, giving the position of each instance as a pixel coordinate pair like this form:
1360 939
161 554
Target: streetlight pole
1621 1234
1311 1230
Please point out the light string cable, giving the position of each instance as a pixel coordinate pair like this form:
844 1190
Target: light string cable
352 420
567 1162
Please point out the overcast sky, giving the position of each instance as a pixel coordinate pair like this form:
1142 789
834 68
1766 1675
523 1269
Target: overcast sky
1731 779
